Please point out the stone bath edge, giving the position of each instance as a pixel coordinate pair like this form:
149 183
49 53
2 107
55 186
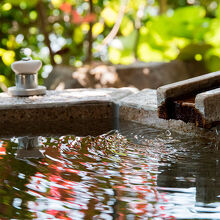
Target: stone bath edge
124 103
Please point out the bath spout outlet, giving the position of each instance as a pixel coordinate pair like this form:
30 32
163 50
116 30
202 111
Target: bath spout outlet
26 78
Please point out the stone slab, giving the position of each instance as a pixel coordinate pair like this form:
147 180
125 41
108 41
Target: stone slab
80 127
70 111
73 107
94 110
208 104
142 108
64 98
187 86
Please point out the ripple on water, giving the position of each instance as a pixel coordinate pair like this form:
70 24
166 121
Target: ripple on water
150 174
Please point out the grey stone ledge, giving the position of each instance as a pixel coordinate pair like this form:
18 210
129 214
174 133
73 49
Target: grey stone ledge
208 103
74 104
187 86
75 111
142 108
64 98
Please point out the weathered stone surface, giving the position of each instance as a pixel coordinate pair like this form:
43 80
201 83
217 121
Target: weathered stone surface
79 127
85 111
93 110
78 111
188 101
188 86
142 108
64 98
145 99
208 104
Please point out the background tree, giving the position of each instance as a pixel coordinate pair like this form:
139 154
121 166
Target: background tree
118 31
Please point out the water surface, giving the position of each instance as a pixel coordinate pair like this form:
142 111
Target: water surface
135 173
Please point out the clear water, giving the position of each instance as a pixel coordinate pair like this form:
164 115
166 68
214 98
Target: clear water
137 173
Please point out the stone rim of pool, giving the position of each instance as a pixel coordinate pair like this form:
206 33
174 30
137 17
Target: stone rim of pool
92 104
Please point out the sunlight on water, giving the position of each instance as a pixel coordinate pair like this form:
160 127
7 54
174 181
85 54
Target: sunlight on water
145 173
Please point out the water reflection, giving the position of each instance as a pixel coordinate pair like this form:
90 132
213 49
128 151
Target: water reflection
199 169
14 175
188 171
109 177
27 148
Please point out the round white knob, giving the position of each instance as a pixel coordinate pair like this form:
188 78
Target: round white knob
27 67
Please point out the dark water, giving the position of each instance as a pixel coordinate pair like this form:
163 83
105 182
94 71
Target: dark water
137 173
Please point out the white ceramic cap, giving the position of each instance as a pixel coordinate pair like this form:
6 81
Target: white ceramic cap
27 67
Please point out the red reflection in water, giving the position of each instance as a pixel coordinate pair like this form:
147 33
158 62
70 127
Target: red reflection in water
58 214
64 190
3 146
144 194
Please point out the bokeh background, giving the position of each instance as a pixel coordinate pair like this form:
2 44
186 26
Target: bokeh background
75 32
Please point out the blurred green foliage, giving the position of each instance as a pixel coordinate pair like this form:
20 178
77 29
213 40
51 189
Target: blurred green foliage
57 32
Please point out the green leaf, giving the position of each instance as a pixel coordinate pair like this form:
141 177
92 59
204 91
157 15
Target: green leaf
78 35
124 55
188 22
114 55
212 36
148 54
189 14
97 29
28 3
109 15
128 41
126 26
